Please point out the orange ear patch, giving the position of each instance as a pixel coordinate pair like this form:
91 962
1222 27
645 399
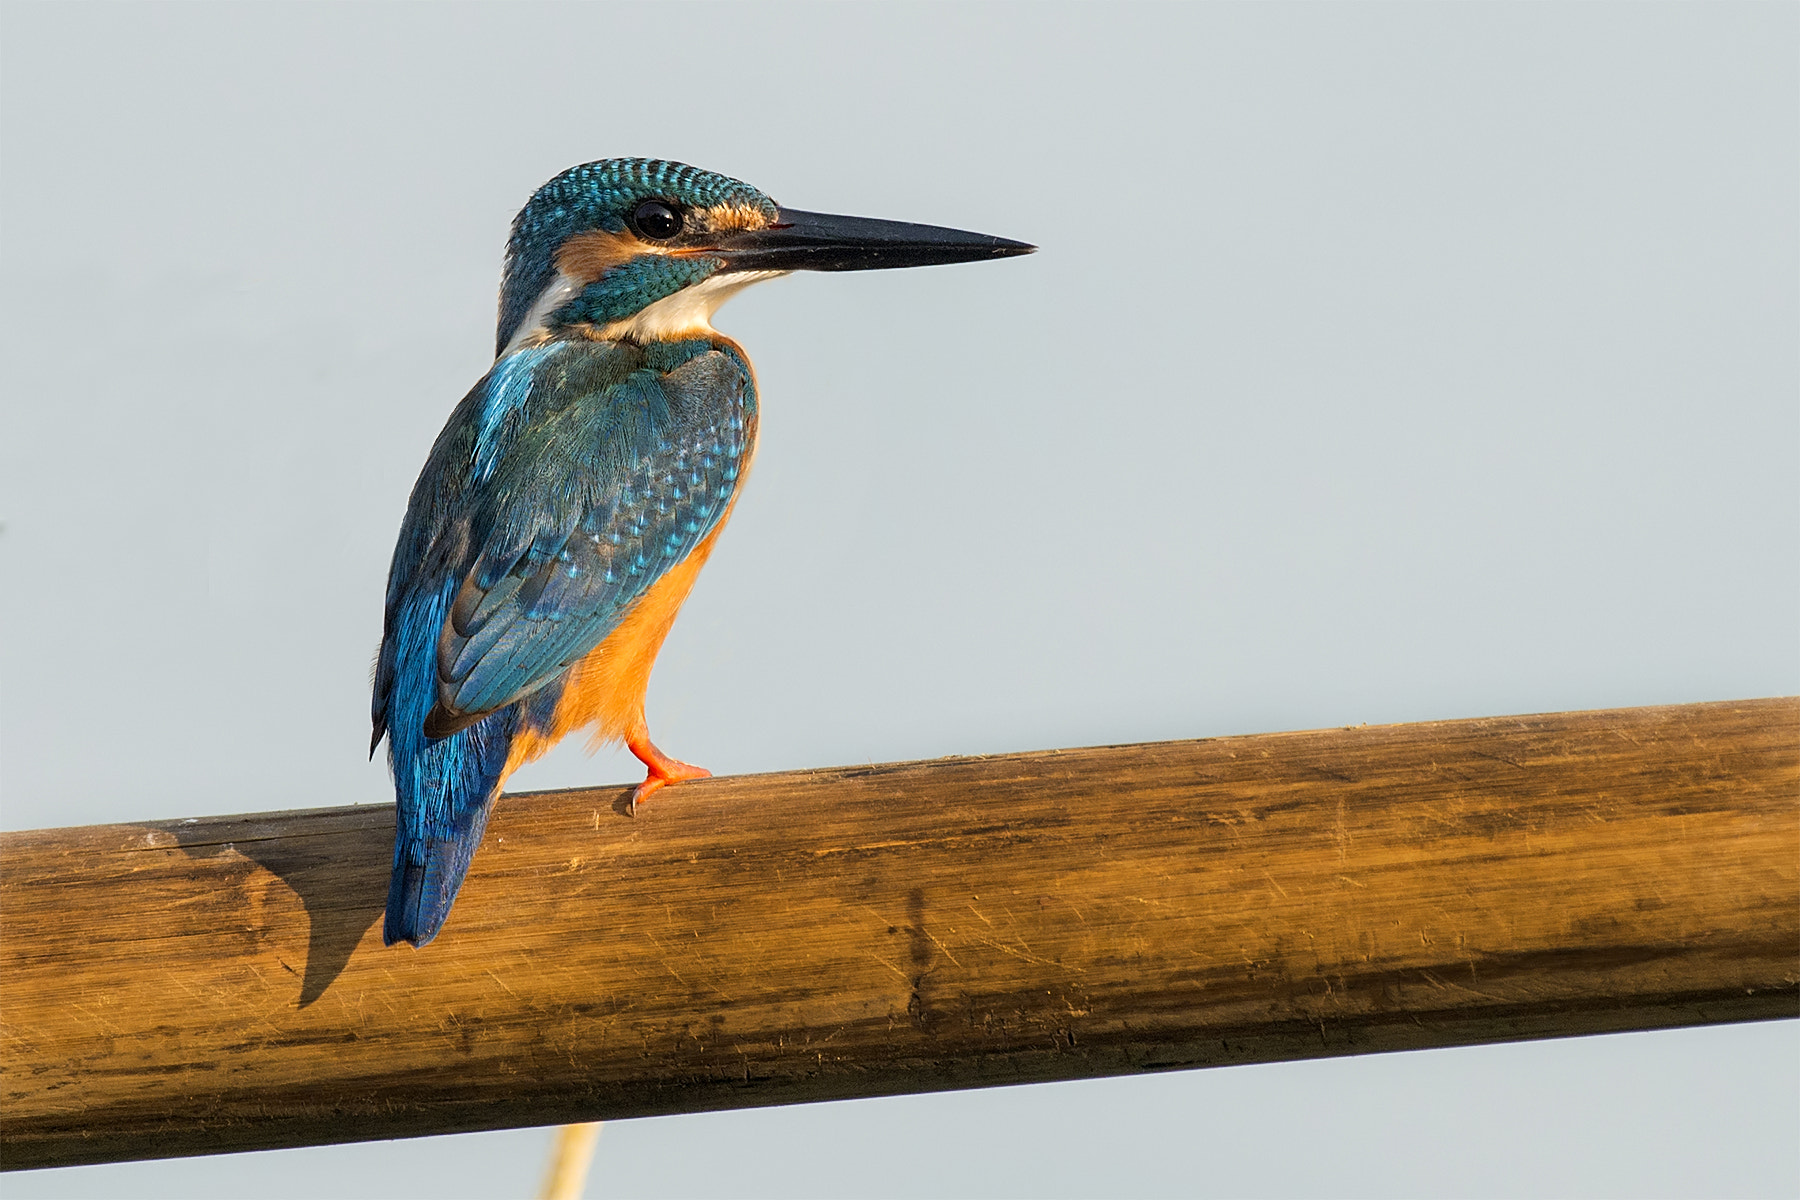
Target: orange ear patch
587 256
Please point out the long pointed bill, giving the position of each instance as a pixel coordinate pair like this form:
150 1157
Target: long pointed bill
806 241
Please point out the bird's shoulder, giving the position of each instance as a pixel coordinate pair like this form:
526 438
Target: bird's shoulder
549 423
574 401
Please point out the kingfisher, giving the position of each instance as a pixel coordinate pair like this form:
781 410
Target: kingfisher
576 491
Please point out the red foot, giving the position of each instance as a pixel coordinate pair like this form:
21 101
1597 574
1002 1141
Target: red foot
663 769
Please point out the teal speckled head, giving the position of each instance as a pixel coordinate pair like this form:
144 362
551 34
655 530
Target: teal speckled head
642 249
584 226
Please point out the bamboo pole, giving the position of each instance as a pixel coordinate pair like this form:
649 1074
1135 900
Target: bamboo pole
570 1159
219 984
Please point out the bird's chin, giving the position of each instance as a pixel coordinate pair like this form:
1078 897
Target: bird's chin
688 313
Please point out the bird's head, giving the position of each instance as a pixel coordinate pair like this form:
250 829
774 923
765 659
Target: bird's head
643 249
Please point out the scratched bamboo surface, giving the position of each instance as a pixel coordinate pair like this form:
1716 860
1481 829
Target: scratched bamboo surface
199 986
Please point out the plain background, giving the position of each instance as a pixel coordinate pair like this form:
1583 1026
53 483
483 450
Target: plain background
1381 364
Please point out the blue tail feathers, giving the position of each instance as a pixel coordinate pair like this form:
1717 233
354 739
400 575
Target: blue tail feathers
446 790
428 873
445 787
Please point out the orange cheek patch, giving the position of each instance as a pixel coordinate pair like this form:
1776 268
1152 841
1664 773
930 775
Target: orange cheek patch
587 256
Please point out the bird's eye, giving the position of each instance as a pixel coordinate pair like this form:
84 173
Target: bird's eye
657 220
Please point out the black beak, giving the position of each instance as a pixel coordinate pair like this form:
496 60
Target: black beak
807 241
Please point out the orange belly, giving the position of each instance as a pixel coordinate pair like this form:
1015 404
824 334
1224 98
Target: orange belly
606 689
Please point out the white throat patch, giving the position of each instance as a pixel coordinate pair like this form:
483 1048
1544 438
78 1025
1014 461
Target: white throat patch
562 289
688 313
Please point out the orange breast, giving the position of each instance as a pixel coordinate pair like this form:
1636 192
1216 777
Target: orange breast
606 689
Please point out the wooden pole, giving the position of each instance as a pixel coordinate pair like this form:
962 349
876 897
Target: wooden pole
219 984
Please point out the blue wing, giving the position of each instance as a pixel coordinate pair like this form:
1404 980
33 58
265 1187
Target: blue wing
565 484
587 508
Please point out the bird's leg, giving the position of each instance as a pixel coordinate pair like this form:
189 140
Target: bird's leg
663 769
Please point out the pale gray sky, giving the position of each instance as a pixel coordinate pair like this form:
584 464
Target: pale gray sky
1381 363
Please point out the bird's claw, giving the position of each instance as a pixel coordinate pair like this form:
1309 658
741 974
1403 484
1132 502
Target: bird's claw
662 773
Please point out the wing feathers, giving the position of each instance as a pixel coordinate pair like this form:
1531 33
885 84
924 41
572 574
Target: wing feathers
585 507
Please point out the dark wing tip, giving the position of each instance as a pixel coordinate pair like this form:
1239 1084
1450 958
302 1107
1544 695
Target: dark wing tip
441 722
